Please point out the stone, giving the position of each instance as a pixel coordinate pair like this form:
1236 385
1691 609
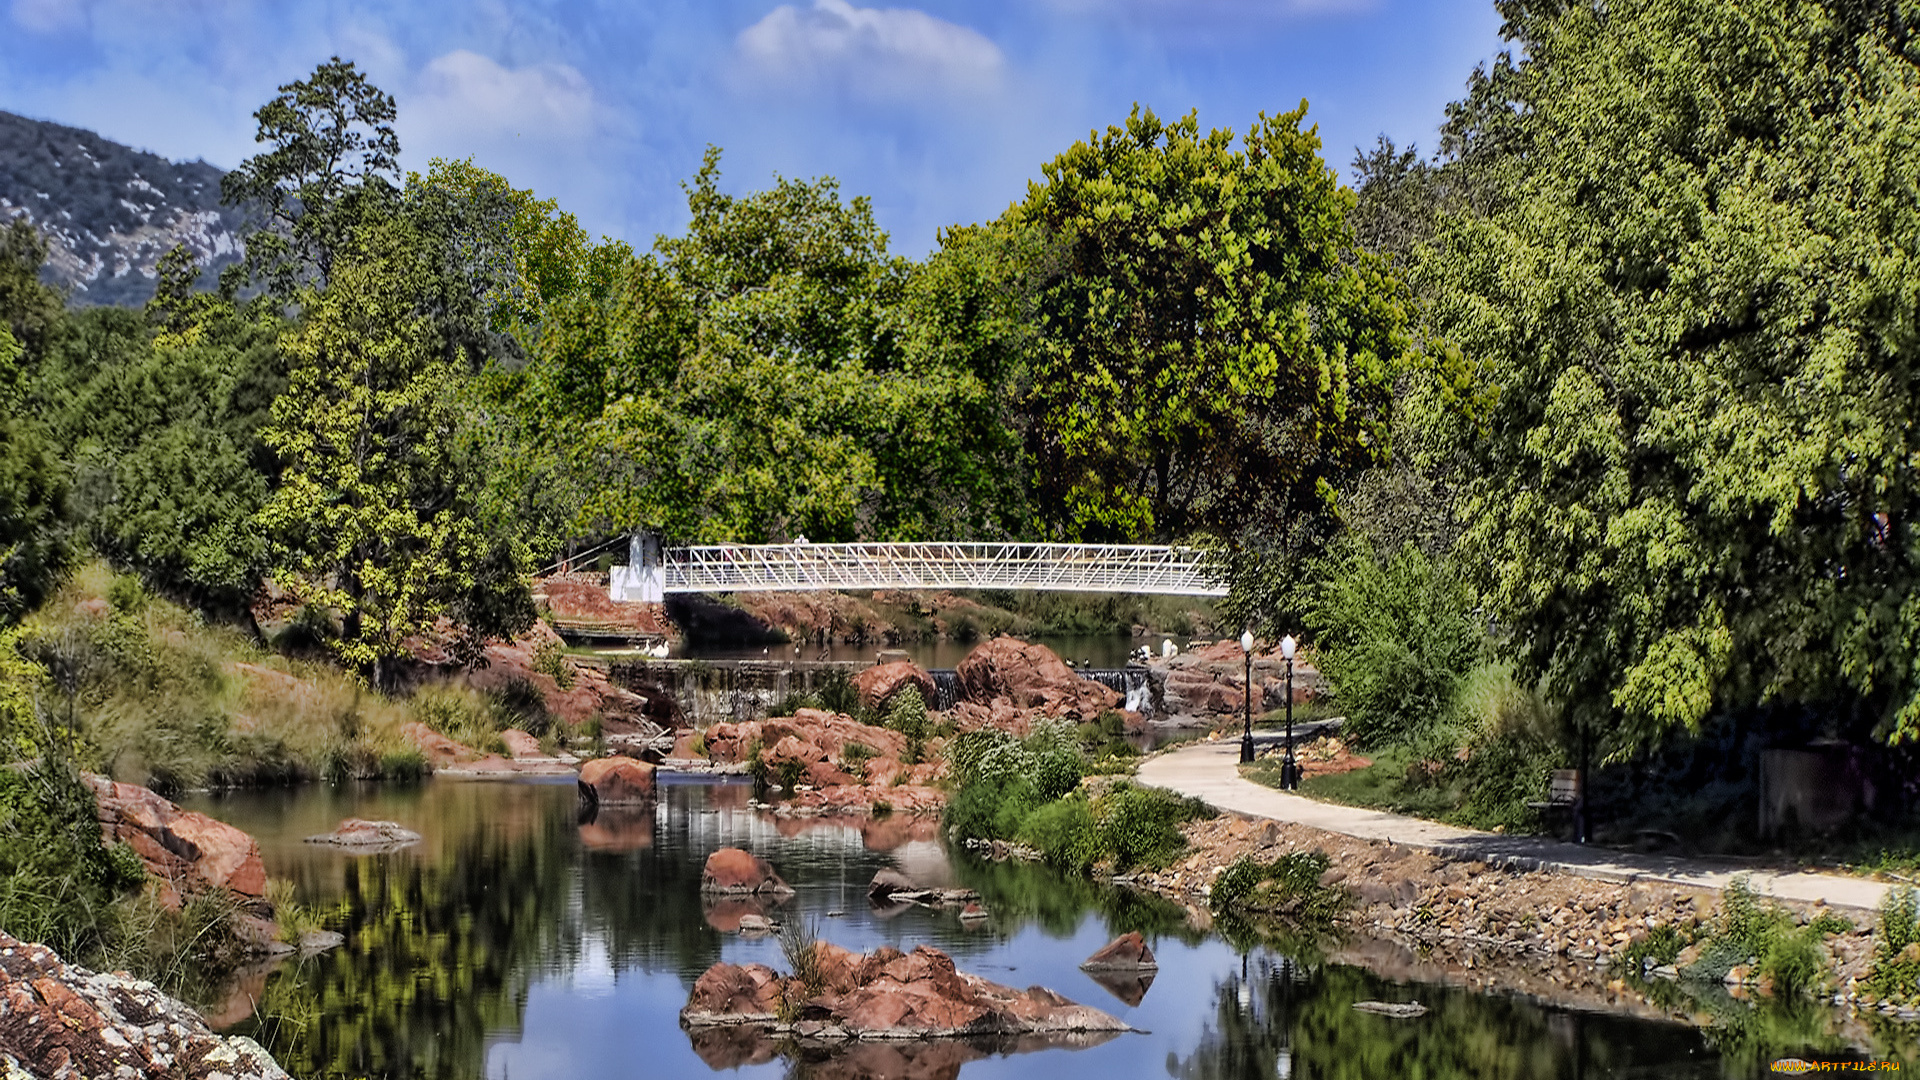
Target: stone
60 1020
1030 676
1129 951
886 995
755 924
520 744
878 684
731 870
367 837
615 781
189 851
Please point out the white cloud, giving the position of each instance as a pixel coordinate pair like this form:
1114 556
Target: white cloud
880 53
1231 11
464 94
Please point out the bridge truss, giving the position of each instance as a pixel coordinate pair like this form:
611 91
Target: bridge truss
1112 568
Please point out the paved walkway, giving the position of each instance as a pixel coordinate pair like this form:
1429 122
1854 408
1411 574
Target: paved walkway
1209 771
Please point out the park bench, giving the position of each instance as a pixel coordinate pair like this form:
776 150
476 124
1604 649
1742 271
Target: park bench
1563 792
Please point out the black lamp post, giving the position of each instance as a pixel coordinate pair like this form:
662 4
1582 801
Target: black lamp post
1290 769
1246 739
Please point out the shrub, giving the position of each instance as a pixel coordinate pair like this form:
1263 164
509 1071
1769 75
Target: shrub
836 693
1289 885
1064 833
1141 826
550 659
523 706
1396 637
1894 973
57 881
907 714
854 757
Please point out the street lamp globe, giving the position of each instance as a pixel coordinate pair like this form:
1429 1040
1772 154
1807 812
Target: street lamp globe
1287 646
1246 641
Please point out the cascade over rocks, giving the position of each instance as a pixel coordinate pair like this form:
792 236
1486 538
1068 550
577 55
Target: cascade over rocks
1026 675
59 1020
882 995
188 851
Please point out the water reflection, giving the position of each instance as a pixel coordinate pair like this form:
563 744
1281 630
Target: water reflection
519 941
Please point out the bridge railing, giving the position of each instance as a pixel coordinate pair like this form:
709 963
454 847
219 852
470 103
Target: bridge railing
1124 568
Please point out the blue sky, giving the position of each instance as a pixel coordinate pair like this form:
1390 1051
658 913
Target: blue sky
939 112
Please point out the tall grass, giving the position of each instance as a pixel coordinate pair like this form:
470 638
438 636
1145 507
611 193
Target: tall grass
156 696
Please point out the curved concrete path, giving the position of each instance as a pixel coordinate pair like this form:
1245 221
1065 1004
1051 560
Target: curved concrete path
1209 771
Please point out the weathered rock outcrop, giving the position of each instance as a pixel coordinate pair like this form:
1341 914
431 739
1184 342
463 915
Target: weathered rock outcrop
1029 676
1209 683
615 781
367 837
851 767
1128 952
894 887
59 1020
882 995
878 684
187 851
731 870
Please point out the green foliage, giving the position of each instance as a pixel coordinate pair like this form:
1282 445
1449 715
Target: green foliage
1140 826
332 161
854 757
1894 973
1395 638
58 883
1766 936
1684 304
835 692
374 517
907 714
550 659
1289 885
1208 350
1064 833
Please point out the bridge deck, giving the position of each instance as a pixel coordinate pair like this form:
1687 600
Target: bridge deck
1116 568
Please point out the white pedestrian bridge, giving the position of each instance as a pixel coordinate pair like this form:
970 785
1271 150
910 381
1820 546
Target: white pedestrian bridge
653 572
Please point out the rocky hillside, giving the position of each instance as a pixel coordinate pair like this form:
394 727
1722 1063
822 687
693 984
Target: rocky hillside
109 212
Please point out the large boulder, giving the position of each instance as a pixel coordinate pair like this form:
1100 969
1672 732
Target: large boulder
878 684
615 781
189 851
1030 676
884 995
731 870
57 1020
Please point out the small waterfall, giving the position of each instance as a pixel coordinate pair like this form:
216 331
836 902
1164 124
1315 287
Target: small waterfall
1129 682
946 689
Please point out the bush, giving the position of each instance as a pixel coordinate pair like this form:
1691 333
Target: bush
836 693
1894 974
1064 834
550 659
907 714
1396 638
57 881
1289 885
1141 826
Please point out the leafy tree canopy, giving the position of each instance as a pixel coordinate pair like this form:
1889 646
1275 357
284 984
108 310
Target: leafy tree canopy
1210 352
1689 298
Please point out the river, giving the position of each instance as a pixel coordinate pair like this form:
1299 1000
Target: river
516 941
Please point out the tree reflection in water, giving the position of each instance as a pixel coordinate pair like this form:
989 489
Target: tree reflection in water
1278 1019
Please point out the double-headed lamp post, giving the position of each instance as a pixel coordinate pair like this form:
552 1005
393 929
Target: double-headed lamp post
1290 769
1246 738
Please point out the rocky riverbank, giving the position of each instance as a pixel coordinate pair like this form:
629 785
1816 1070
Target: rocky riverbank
1559 936
61 1020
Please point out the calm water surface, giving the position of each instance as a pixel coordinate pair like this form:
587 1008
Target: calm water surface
516 941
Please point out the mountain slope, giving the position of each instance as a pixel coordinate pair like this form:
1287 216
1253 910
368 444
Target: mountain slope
109 212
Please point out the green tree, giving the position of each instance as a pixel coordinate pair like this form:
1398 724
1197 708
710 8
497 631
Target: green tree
332 163
768 374
374 516
1210 350
1688 300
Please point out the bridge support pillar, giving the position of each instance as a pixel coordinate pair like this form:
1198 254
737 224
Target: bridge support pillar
641 581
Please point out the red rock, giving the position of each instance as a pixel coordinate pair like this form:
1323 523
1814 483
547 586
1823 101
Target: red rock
731 870
520 744
878 684
361 833
614 781
187 850
440 750
1129 950
736 991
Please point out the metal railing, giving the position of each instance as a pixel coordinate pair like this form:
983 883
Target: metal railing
1116 568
